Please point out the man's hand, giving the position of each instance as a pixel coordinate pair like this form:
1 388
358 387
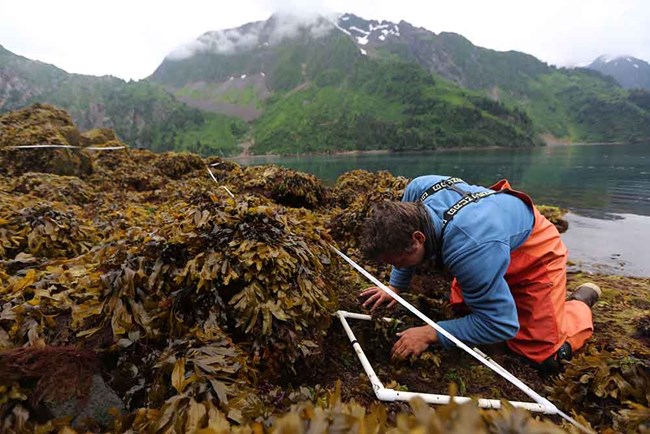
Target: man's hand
377 297
413 342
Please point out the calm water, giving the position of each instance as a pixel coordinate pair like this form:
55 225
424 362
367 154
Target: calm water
605 187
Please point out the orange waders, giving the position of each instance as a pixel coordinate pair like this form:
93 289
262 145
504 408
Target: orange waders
537 279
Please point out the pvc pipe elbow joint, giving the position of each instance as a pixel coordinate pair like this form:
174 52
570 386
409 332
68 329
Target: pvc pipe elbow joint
385 394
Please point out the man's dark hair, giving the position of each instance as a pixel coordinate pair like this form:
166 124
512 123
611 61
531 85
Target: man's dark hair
389 227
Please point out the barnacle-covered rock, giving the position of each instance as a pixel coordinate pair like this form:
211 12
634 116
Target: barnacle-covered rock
41 125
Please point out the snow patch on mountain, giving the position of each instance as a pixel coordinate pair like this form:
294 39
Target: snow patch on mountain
365 31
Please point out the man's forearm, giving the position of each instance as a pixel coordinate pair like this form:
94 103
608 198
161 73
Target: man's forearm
473 330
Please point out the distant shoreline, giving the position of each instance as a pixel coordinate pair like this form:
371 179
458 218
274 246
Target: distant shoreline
246 156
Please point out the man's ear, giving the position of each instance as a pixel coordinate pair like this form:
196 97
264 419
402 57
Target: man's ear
418 237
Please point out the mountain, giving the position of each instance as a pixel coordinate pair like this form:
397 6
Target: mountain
567 104
292 85
309 87
629 72
141 113
447 54
290 77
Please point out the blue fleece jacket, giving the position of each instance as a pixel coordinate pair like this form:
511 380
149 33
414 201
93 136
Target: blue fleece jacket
476 250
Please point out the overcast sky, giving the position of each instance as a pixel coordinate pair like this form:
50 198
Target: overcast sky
130 38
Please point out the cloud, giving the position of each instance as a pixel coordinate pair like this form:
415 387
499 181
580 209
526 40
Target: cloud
290 24
282 25
300 8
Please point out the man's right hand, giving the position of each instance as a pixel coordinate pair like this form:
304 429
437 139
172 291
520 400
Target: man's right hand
377 296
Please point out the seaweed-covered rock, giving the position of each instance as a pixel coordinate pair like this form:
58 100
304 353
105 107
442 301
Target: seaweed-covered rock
127 170
554 214
174 165
66 189
41 124
356 192
43 229
207 305
98 136
144 171
257 266
284 186
600 382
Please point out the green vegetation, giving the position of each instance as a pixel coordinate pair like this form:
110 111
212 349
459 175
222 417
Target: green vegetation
387 105
142 113
214 93
208 67
245 96
581 105
322 119
577 105
217 135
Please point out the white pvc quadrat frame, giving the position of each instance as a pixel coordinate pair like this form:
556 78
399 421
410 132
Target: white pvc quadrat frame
384 394
549 407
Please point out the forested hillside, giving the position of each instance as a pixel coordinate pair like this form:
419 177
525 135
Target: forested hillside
569 104
142 113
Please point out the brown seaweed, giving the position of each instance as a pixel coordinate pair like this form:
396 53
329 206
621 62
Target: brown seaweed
207 306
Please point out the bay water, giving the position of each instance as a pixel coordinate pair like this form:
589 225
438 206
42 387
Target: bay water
606 189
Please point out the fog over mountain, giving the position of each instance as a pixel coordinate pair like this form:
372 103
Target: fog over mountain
280 26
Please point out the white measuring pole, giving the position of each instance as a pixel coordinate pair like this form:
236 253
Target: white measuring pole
550 408
222 186
87 148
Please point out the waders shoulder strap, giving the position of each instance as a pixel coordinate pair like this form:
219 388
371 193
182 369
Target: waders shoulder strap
438 186
462 203
465 200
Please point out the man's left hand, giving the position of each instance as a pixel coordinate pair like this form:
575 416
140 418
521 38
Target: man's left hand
413 342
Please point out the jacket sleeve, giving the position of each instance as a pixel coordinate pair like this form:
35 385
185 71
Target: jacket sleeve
480 271
401 277
413 191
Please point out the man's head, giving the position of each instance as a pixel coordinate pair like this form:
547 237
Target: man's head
394 233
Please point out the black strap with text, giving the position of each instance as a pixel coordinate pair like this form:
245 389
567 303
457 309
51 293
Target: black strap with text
466 199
